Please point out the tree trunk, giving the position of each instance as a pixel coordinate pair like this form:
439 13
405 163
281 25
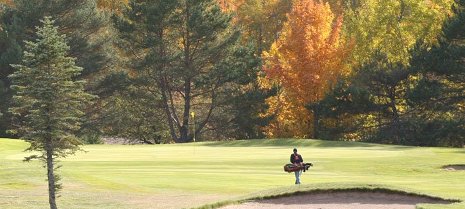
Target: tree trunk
260 39
184 130
187 106
168 113
50 174
316 118
395 114
164 87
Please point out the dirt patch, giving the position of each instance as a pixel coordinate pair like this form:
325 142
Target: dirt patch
341 200
457 167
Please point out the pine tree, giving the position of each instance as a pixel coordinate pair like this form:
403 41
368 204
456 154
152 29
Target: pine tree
85 28
186 54
439 95
48 101
371 103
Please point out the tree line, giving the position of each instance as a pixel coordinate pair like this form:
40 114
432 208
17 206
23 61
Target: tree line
366 70
389 72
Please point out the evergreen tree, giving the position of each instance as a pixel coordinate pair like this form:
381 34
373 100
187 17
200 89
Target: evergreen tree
370 105
247 106
81 21
439 94
48 102
144 28
186 53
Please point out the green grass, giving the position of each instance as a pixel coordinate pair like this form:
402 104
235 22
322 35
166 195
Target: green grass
192 175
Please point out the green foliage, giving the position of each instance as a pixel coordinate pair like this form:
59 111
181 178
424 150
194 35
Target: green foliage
390 102
440 93
239 101
87 31
421 104
181 56
392 27
424 91
130 117
79 20
371 100
341 111
262 21
246 109
185 55
48 101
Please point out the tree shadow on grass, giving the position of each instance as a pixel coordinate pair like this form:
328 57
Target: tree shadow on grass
461 151
303 143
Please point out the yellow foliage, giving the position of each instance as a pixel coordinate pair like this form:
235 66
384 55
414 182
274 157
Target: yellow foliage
7 2
230 5
303 63
111 5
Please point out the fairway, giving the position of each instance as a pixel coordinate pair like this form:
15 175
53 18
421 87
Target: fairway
195 174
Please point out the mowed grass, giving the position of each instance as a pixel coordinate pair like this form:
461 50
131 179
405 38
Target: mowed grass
195 174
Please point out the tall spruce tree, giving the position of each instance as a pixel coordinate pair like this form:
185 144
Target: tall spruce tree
85 28
48 101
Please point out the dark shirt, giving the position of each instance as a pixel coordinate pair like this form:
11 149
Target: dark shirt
296 158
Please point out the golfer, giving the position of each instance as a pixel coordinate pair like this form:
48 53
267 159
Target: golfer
297 160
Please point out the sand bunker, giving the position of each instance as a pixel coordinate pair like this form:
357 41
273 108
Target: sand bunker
457 167
341 200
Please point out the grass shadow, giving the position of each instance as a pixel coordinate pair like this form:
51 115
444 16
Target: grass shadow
461 151
454 167
302 143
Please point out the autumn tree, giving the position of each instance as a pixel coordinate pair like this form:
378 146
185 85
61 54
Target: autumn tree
6 2
112 5
230 5
415 103
262 21
301 65
391 27
48 101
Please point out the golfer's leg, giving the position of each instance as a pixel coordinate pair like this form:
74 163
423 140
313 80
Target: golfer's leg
297 177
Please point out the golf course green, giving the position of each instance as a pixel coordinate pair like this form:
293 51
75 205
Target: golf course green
202 174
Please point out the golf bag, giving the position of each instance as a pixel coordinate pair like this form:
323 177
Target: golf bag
292 168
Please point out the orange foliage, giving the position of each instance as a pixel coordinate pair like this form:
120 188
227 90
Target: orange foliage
7 2
111 5
230 5
302 63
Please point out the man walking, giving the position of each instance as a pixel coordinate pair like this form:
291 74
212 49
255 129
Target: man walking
297 160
